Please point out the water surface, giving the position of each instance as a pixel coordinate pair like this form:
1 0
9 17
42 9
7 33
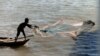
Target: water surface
43 12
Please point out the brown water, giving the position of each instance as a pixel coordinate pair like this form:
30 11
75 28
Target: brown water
37 46
43 12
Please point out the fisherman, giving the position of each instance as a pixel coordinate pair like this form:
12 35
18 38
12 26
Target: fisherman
21 28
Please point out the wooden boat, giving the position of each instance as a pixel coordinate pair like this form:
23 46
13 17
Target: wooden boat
11 43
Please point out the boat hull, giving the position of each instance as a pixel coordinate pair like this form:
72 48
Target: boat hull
13 43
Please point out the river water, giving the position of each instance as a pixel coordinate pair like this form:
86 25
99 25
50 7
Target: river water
44 12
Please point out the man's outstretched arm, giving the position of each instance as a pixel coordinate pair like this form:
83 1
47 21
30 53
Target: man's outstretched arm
30 26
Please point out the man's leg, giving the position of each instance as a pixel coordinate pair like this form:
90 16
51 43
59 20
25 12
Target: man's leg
24 34
18 32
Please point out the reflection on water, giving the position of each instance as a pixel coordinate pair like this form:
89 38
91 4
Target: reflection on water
22 51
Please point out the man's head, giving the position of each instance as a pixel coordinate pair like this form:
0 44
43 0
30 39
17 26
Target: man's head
26 20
